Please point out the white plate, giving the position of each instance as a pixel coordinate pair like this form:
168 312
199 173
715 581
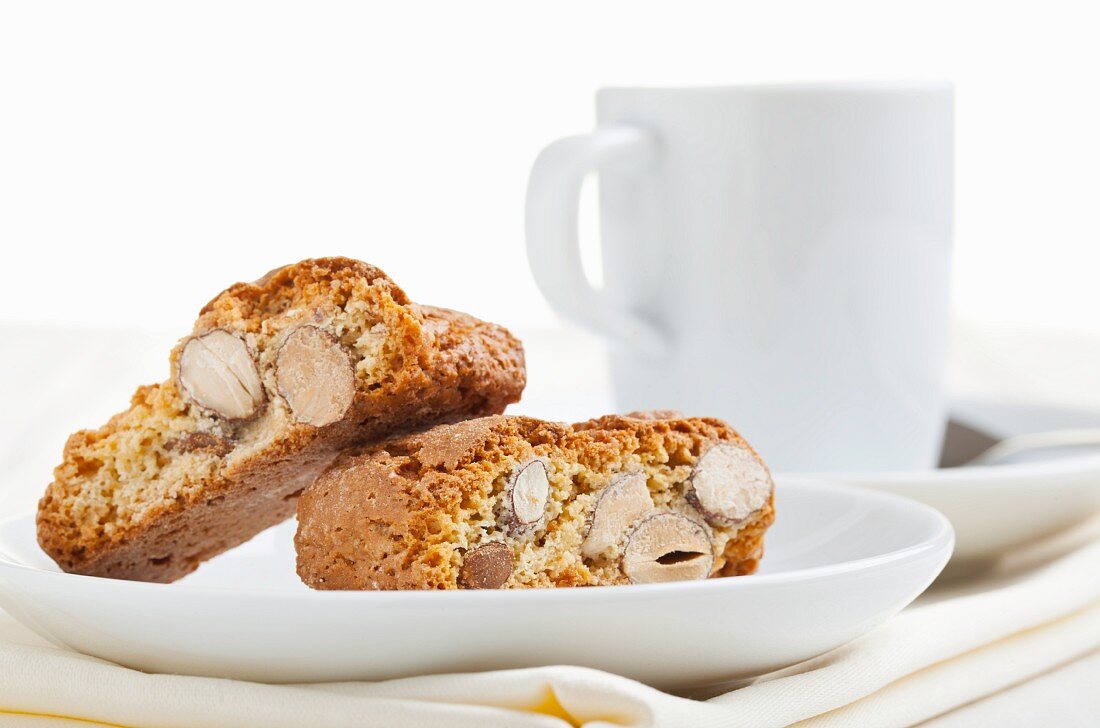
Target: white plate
995 508
839 562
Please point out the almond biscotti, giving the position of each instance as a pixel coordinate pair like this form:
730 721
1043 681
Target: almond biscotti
512 502
277 377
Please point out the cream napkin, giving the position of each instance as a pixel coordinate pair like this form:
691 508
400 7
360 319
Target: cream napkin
957 645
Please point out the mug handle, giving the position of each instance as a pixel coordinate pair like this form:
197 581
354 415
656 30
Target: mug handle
553 245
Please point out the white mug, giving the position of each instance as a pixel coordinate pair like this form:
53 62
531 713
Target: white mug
776 256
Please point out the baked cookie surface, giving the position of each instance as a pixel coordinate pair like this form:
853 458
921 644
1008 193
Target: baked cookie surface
277 377
512 502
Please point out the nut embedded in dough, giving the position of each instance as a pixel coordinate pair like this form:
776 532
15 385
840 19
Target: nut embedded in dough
315 376
667 547
617 506
487 566
200 442
217 373
529 492
729 484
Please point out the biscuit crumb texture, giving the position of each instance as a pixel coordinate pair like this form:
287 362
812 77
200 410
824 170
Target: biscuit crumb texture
205 460
420 512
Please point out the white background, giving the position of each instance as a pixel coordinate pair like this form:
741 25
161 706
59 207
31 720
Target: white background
152 153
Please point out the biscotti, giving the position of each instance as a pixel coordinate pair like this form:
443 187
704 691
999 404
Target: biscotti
512 502
277 377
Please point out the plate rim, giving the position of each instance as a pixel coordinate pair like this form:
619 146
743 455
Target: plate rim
965 407
1065 465
941 538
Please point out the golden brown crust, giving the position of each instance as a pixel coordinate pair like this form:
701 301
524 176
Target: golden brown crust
397 515
436 366
287 286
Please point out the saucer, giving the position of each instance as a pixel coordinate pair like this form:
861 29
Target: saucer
839 562
995 508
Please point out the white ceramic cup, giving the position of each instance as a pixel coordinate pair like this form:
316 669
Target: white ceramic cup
777 256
